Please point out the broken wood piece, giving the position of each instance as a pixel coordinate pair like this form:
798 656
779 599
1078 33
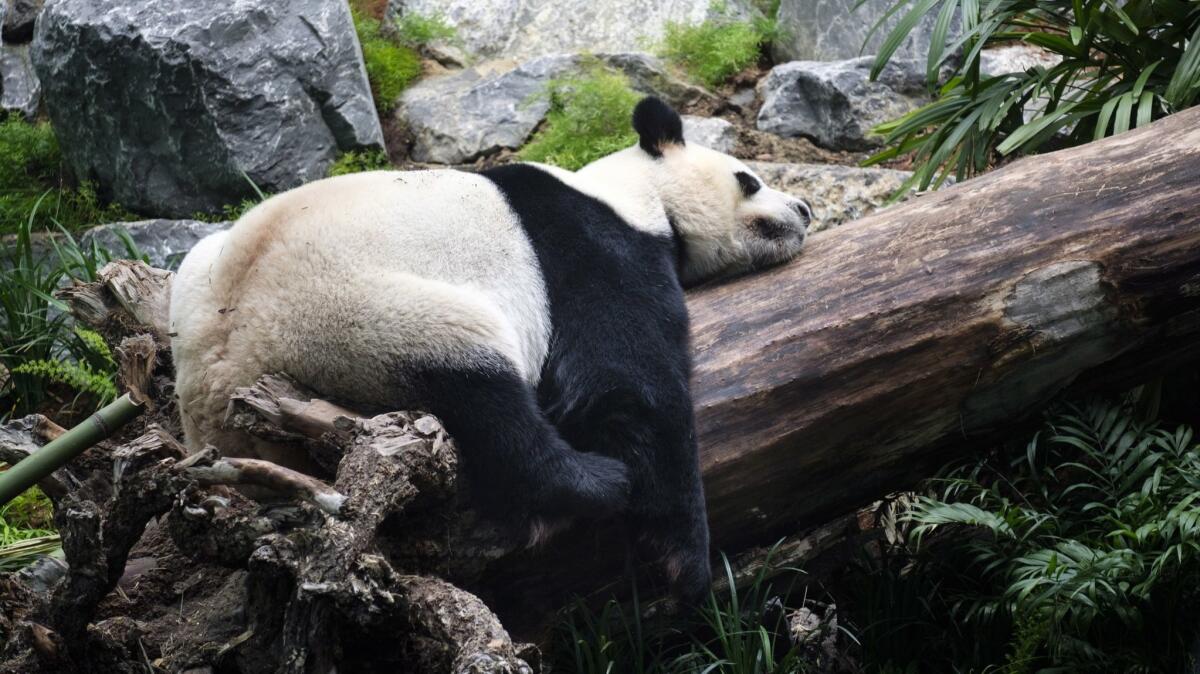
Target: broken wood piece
256 472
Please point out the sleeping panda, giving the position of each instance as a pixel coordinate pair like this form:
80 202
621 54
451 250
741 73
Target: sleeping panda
538 312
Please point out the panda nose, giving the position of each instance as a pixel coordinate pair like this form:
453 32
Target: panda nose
803 210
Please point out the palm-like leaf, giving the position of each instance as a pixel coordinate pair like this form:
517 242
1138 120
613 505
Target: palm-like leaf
1121 65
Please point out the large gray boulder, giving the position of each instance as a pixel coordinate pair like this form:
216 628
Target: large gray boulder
20 91
480 110
837 194
833 30
522 29
170 105
835 104
164 242
16 24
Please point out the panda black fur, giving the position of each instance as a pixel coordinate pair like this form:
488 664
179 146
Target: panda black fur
539 313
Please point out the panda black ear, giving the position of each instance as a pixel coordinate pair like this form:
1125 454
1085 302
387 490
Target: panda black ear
657 125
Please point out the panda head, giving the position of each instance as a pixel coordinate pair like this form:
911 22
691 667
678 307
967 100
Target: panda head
726 219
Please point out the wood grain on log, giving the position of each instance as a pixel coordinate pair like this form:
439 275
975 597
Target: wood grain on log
830 381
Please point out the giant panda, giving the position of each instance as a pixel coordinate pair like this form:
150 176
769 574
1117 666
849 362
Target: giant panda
538 312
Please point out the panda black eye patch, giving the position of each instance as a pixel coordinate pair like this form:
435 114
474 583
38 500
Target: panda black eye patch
749 183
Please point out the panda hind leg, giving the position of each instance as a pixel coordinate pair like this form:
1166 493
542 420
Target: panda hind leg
519 469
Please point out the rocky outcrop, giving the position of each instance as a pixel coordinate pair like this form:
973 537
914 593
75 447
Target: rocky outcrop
1015 58
16 24
483 109
522 29
20 91
837 194
172 107
163 242
835 104
832 30
710 132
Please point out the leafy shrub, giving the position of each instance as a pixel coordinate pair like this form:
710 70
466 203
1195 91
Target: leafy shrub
359 161
417 30
1122 65
716 49
42 354
589 118
32 173
1084 548
391 67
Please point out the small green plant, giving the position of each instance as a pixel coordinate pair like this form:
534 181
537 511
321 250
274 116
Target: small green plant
26 529
716 49
588 119
358 161
32 172
1084 548
742 632
80 375
29 515
1121 65
391 67
417 30
42 354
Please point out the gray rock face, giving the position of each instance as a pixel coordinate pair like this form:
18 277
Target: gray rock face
835 104
1014 59
480 110
165 242
17 23
832 30
837 194
711 132
20 90
166 104
522 29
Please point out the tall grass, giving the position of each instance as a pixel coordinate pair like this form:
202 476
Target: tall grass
46 359
744 631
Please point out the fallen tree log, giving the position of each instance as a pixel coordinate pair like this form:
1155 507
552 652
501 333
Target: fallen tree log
853 371
819 386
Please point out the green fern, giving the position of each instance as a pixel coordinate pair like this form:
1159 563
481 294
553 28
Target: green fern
93 375
1093 531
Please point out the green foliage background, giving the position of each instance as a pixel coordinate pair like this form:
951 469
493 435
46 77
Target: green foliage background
1122 66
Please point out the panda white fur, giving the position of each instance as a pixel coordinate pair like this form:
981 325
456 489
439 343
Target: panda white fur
538 312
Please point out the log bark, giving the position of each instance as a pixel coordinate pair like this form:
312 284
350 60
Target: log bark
830 381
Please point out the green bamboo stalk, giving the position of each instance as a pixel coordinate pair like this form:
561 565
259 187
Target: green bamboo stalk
58 452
